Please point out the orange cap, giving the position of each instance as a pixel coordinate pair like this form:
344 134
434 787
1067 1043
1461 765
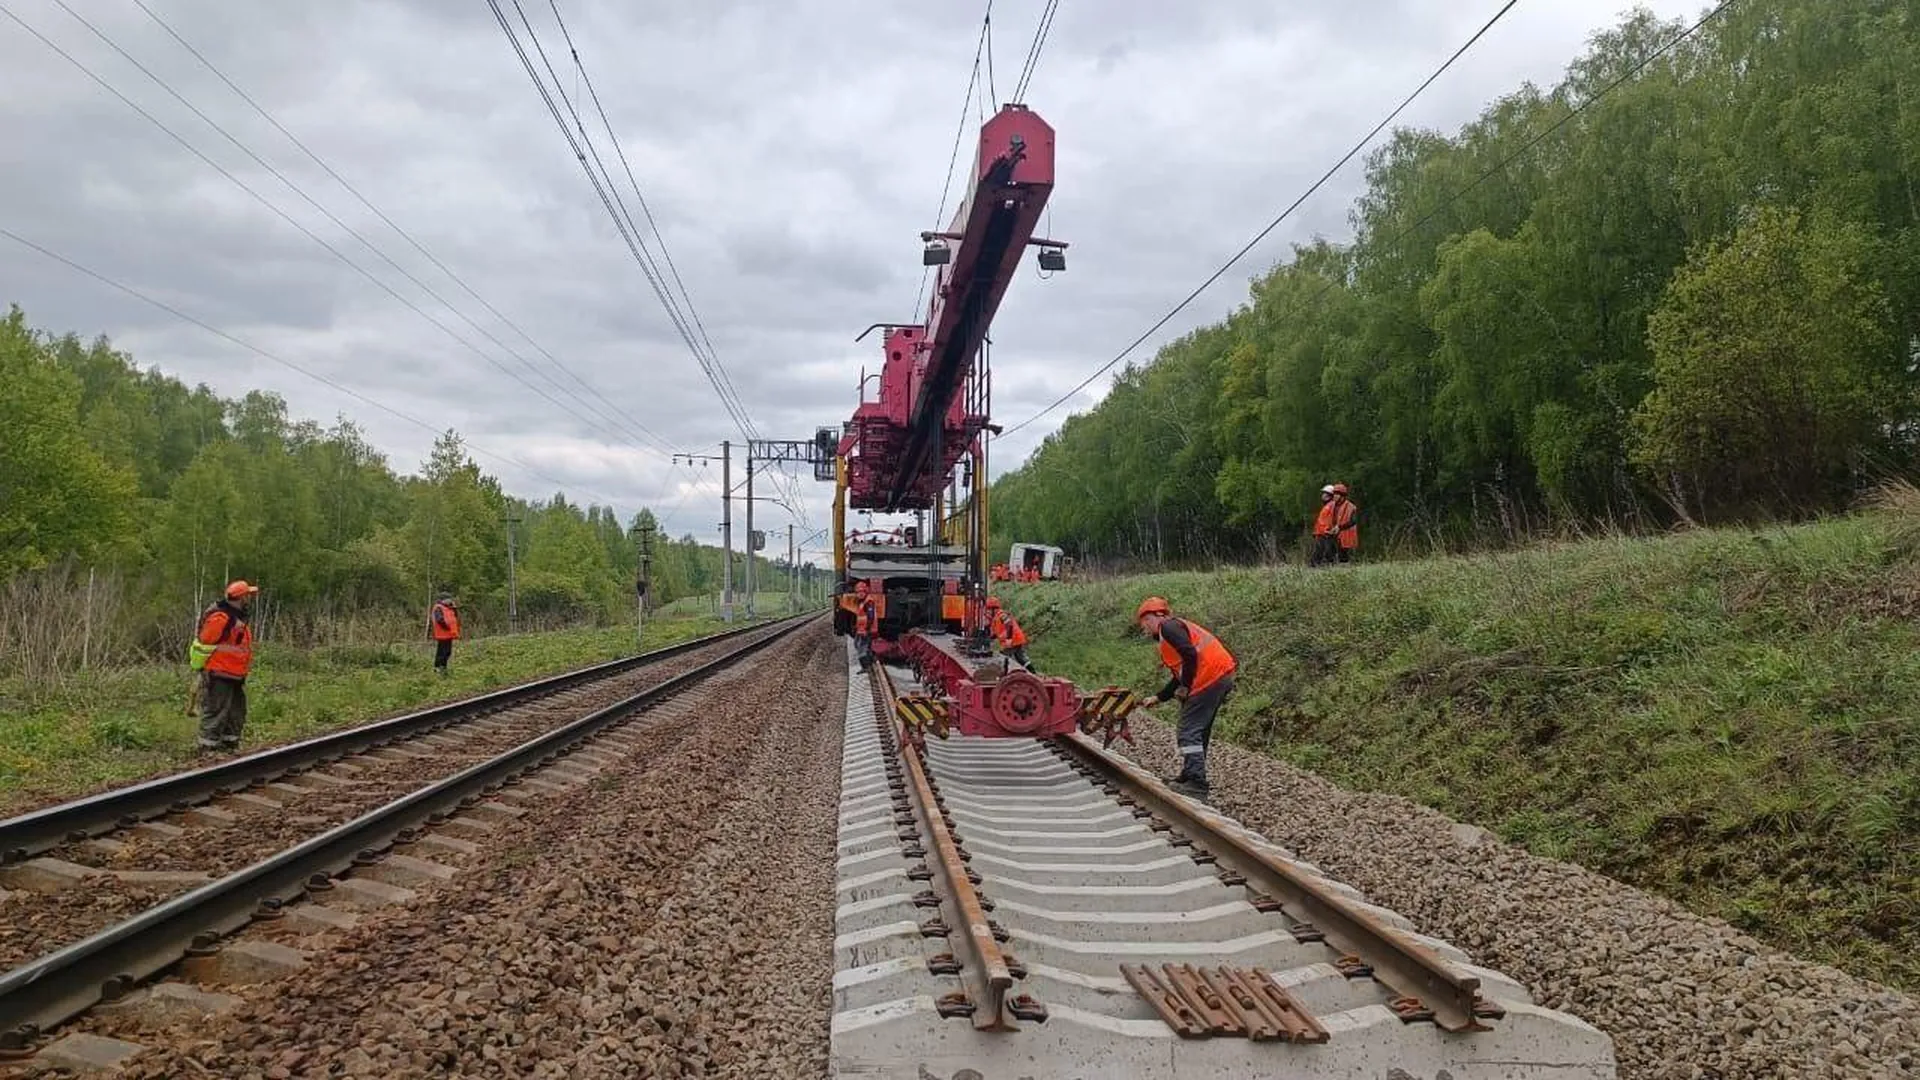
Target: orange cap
238 589
1152 605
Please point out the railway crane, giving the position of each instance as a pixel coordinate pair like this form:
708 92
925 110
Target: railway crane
919 446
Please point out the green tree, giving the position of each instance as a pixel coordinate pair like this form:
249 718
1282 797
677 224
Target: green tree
1774 367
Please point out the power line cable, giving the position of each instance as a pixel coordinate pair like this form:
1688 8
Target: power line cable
709 363
282 214
282 361
1275 223
628 419
1040 32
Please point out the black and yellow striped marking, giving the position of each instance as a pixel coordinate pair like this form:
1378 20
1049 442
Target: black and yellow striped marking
1104 712
923 713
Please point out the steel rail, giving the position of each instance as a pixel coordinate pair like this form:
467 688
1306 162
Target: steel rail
1398 961
36 831
44 992
985 972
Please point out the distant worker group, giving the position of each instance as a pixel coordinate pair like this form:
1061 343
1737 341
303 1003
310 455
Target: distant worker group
1336 532
221 651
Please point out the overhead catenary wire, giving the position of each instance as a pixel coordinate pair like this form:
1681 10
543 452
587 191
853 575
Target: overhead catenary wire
271 206
623 219
623 416
1040 33
177 313
953 157
1353 151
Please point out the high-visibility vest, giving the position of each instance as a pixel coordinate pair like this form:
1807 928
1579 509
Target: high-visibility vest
1007 629
226 642
865 618
1215 661
445 623
1338 517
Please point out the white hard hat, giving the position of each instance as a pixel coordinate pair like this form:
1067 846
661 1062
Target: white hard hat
1326 489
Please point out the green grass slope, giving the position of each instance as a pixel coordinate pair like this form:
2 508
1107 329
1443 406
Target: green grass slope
1730 718
114 725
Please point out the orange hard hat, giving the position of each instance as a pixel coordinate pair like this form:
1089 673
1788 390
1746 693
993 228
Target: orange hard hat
993 601
1152 605
238 589
1339 489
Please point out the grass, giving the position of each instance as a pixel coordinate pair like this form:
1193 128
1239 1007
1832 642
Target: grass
1730 718
114 725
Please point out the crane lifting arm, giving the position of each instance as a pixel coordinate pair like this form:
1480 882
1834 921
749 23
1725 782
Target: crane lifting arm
902 448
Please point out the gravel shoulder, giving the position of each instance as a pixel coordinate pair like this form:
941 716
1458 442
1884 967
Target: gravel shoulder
1685 997
671 918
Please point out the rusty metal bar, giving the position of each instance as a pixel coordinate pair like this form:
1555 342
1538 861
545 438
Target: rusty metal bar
1398 961
984 972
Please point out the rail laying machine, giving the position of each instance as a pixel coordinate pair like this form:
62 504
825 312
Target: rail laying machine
919 447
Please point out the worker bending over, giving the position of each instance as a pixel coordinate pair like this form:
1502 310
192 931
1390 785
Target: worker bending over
222 651
1336 532
444 624
1202 671
1006 631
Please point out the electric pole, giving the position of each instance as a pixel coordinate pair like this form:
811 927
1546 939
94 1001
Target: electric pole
641 586
513 588
750 534
793 574
726 531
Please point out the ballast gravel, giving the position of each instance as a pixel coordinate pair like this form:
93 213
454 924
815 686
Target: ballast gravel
1685 997
671 918
33 925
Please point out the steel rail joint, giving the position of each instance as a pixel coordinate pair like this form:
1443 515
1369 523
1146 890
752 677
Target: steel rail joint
986 975
1402 964
44 992
36 831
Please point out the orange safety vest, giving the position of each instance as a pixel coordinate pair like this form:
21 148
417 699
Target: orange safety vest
1338 517
1215 664
445 623
1007 629
865 618
232 640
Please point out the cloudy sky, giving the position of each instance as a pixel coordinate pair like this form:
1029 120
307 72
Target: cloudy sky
789 154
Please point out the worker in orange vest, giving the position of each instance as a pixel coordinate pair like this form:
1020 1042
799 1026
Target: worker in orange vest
866 623
222 652
444 624
1336 532
1005 629
1202 677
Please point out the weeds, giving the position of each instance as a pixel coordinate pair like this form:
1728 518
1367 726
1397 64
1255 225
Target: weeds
1729 717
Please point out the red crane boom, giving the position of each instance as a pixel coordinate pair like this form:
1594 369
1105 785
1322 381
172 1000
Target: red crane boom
902 448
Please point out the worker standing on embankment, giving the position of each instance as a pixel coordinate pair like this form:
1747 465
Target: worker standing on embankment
1336 532
444 624
1202 670
222 651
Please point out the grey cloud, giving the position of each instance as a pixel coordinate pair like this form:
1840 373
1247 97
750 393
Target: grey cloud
789 152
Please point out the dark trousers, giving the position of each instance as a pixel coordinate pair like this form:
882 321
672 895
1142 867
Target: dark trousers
442 652
1018 654
223 711
1196 729
863 648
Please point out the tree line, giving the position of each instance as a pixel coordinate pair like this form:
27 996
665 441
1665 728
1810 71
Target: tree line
1694 297
127 499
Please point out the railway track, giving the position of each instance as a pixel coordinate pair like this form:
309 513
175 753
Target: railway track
308 833
1008 908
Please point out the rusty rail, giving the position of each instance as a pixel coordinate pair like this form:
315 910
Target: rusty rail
1396 960
984 972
